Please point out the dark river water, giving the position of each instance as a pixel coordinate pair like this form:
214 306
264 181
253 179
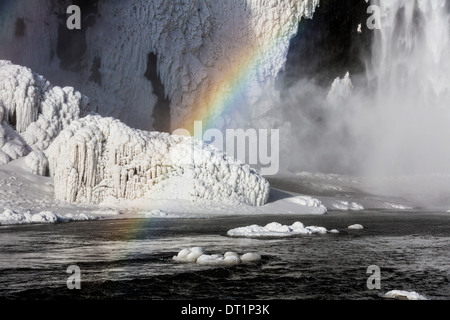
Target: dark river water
132 258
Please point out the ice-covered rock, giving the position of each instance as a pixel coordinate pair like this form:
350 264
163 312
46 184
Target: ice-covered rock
275 230
404 295
355 227
97 159
197 255
32 112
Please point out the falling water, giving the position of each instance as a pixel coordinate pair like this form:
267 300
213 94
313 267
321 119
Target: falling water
410 77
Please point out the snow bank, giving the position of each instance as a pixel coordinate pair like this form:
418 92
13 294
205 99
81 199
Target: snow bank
276 230
32 112
99 159
404 295
9 217
197 255
355 227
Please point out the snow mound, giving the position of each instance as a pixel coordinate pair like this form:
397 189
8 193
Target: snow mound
404 295
32 112
9 217
355 227
276 230
308 201
99 159
346 206
197 255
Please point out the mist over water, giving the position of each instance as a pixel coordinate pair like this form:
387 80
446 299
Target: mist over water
392 120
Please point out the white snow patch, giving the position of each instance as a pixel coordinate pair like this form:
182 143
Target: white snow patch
275 230
355 227
404 295
197 255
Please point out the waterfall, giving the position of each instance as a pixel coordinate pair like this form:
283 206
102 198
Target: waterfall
409 98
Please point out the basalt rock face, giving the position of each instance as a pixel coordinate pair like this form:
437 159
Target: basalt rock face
337 40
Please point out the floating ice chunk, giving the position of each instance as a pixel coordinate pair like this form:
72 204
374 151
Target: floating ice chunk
315 229
44 217
275 229
355 227
251 257
197 255
334 231
189 255
404 295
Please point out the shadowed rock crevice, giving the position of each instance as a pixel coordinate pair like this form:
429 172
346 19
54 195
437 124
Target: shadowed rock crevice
161 110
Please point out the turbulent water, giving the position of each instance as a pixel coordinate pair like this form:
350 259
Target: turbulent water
132 258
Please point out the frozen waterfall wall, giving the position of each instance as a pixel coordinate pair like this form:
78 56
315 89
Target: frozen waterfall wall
195 44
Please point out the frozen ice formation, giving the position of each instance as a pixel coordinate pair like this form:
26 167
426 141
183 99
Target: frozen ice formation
11 217
37 162
195 41
277 230
32 113
355 227
197 255
404 295
98 159
340 89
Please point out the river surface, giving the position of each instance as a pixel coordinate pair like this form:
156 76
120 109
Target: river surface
132 258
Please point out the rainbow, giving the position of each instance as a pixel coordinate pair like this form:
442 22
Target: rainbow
234 83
